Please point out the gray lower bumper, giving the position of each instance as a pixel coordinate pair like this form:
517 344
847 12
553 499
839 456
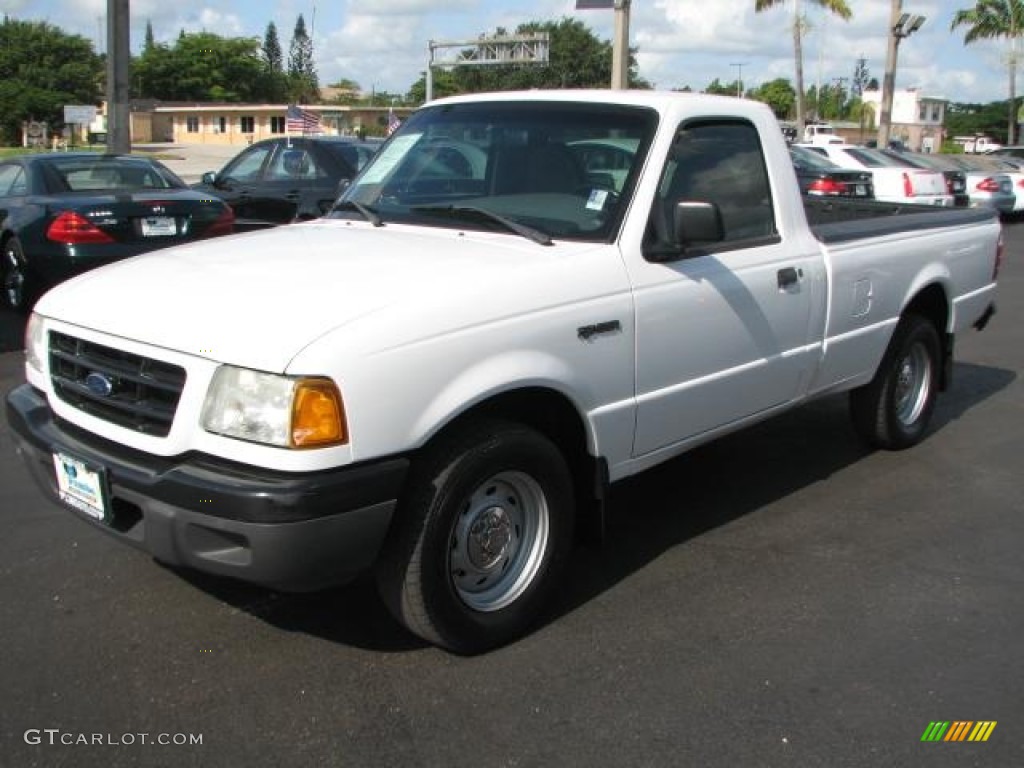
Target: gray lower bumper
285 531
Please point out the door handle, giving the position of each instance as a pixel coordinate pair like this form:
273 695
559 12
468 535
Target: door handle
788 277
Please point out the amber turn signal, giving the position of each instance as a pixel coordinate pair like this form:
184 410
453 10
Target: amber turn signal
318 416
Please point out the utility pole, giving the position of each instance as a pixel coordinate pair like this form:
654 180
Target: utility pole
901 25
620 46
739 77
119 130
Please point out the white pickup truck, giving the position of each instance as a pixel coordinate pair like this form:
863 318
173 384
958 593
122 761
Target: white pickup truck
524 298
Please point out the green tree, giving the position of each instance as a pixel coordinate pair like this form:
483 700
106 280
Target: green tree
991 19
203 67
838 7
272 54
150 41
861 78
777 94
302 75
718 88
41 70
276 81
965 119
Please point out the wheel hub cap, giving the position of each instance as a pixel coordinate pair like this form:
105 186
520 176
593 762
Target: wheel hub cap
489 537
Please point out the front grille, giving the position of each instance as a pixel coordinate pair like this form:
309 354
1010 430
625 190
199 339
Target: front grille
130 390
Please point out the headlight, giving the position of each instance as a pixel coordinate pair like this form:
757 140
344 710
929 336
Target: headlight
35 343
291 412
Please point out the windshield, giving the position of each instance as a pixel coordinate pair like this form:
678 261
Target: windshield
561 170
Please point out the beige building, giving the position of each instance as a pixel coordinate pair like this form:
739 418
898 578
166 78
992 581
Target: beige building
917 120
242 124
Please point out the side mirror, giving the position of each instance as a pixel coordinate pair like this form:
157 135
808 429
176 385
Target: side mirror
696 223
209 178
342 186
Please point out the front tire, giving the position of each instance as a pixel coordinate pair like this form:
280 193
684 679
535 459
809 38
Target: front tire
479 537
893 411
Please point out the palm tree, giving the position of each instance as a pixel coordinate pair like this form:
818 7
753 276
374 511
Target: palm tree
990 19
838 7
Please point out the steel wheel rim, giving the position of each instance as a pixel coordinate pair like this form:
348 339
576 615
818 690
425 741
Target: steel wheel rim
913 384
498 541
14 280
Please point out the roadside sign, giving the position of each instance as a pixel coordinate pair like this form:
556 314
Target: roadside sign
80 114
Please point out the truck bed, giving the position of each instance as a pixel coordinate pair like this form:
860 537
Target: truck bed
839 220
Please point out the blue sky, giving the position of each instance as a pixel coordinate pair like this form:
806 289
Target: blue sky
383 44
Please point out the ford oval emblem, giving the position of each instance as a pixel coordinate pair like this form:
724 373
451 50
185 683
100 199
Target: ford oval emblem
99 385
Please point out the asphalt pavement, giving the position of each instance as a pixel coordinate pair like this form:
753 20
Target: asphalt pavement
783 597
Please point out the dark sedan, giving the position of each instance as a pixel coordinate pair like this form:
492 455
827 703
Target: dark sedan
819 176
278 181
65 213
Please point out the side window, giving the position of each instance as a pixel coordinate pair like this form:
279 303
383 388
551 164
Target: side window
718 162
248 165
12 180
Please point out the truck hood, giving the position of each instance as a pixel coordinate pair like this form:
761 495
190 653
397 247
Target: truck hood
258 299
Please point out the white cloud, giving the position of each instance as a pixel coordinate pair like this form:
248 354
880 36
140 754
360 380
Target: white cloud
384 42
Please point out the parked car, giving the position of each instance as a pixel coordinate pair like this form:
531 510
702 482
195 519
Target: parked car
894 181
956 177
819 176
286 179
64 213
1014 152
985 171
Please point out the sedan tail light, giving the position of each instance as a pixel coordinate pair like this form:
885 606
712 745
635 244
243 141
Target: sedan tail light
987 185
73 228
908 185
826 187
223 224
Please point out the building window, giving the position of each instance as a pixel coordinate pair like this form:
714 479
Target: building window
222 125
276 124
248 124
922 114
192 124
936 113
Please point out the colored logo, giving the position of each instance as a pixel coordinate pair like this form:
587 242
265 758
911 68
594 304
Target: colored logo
959 730
99 384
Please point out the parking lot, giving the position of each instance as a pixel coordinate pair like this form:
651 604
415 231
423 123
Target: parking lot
783 597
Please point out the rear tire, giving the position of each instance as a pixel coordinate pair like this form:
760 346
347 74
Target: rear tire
479 537
17 287
893 411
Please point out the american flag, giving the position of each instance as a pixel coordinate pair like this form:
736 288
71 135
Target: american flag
299 120
393 122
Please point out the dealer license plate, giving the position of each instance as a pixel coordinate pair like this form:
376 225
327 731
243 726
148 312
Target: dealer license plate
80 486
159 226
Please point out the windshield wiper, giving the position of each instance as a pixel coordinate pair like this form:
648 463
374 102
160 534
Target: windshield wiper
457 211
366 212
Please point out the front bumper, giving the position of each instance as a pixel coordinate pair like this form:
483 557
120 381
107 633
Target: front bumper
288 531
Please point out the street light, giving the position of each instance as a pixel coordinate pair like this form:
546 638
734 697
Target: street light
903 25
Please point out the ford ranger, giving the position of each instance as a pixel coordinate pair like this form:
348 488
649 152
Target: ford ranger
523 298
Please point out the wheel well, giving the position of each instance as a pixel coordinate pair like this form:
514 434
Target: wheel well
553 415
933 305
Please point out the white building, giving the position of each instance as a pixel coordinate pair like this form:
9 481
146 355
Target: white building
917 120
